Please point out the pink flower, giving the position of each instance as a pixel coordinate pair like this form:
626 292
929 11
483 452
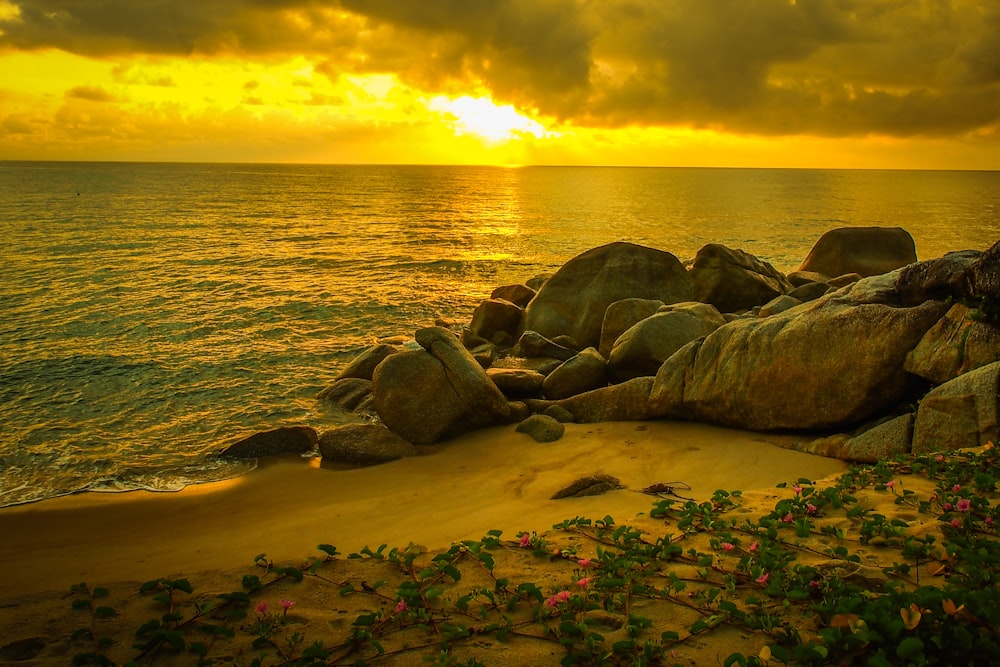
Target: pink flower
728 546
947 507
956 488
989 521
939 458
583 562
753 547
525 540
286 604
814 584
955 523
810 508
963 505
788 518
797 489
762 579
890 484
401 607
261 607
583 582
557 599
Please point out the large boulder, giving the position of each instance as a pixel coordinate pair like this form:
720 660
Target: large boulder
829 363
621 316
497 321
363 366
956 344
435 393
961 413
573 301
517 382
520 295
625 402
643 348
580 374
733 280
346 394
363 445
276 442
867 251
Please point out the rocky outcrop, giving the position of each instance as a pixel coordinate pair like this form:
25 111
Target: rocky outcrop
836 361
497 321
867 251
276 442
620 316
628 401
733 281
519 295
583 372
347 394
363 445
435 393
643 348
517 382
961 413
363 366
956 344
542 428
573 301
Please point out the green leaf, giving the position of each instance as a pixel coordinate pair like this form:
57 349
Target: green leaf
328 549
147 627
452 572
911 648
182 585
105 612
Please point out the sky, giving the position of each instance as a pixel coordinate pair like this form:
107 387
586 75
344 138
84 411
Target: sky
912 84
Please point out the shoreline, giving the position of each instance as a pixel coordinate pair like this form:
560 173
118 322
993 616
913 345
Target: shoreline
490 479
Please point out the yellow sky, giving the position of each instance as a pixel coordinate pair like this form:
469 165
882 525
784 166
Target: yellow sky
774 83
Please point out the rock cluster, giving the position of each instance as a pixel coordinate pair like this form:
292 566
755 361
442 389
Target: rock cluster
863 350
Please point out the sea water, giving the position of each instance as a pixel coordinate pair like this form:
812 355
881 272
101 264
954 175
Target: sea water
150 314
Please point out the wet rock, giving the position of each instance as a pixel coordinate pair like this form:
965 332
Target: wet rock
279 441
363 445
346 394
363 366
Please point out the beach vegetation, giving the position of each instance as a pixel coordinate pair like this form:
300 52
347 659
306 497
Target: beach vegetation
890 564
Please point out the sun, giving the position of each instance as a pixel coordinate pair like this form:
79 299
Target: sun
483 117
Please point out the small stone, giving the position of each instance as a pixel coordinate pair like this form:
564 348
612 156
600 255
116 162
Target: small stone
542 428
591 485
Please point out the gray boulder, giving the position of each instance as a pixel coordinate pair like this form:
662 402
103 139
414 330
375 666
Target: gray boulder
809 291
573 301
517 382
435 393
867 251
582 373
532 344
956 344
643 348
497 321
778 304
733 280
276 442
520 295
960 413
832 362
346 394
628 401
363 366
542 428
622 315
363 445
880 443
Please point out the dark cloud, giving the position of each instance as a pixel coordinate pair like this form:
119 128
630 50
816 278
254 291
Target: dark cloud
90 93
826 67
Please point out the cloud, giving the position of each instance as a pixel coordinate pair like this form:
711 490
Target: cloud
767 67
90 93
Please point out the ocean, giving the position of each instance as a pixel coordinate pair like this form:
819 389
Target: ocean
151 314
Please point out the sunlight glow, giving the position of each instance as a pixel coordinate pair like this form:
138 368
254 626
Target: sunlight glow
483 117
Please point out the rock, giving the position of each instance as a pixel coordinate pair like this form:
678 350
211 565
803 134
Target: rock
533 344
559 413
363 445
439 392
285 440
983 279
346 394
809 291
573 301
778 304
517 382
520 295
832 362
622 315
484 354
363 366
519 411
628 401
733 280
867 251
542 428
582 373
591 485
643 348
960 413
844 280
956 344
497 321
543 365
536 282
800 278
880 443
940 279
